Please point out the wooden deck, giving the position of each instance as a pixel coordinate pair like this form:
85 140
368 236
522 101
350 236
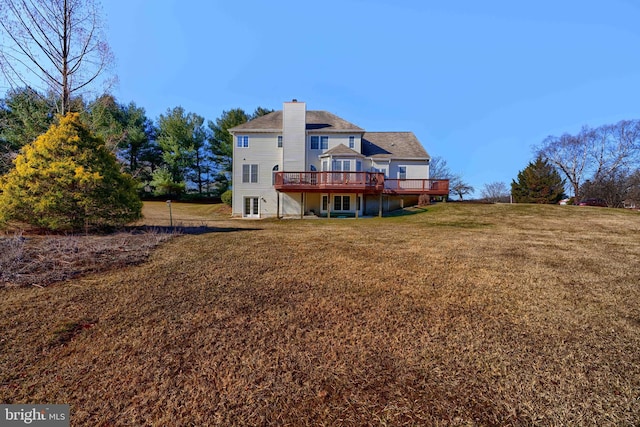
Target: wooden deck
434 187
356 182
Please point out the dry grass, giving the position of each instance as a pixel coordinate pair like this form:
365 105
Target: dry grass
460 315
184 214
40 260
29 257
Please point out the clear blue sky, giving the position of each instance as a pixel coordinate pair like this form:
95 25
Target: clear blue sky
478 82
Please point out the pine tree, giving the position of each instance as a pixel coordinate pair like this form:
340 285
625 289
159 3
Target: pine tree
68 180
539 182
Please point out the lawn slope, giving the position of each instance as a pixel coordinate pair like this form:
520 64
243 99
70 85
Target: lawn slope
458 315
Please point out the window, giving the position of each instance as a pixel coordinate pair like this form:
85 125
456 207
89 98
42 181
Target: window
341 165
346 203
341 203
273 175
402 172
358 166
279 141
243 141
319 142
352 142
249 173
325 165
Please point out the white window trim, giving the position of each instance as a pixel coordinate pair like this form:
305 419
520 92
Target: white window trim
251 174
242 141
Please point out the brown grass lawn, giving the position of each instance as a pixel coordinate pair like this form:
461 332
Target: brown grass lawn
458 315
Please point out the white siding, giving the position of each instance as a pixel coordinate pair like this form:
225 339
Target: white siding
263 150
416 169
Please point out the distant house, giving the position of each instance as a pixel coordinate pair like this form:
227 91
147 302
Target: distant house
296 162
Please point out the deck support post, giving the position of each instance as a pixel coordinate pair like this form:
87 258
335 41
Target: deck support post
380 207
301 205
278 205
329 206
357 203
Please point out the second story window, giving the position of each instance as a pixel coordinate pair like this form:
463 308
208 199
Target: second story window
402 172
319 142
250 173
243 141
352 142
279 141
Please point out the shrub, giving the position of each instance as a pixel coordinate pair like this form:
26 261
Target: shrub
68 180
227 197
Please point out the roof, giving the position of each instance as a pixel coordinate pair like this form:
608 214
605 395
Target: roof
341 150
386 145
322 121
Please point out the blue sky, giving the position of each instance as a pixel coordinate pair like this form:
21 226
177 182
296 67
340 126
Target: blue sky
479 83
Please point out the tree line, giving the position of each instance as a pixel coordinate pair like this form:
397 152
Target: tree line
176 153
602 162
595 163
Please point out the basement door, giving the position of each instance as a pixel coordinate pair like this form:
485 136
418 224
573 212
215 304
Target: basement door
251 205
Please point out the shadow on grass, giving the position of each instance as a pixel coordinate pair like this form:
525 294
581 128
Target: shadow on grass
192 230
405 212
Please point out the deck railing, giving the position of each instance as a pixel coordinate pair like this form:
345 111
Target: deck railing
417 186
325 181
347 181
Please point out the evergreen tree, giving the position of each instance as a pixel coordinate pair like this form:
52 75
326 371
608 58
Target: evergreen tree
221 141
539 182
68 180
128 132
24 115
182 139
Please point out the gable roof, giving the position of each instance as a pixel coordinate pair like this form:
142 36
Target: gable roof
387 145
341 150
323 121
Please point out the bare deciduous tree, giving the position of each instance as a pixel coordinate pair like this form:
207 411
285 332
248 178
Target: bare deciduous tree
53 45
459 187
570 154
495 192
439 169
600 155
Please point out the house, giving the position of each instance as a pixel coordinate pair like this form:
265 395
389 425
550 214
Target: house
297 162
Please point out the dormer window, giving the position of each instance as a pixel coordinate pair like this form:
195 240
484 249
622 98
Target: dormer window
352 142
